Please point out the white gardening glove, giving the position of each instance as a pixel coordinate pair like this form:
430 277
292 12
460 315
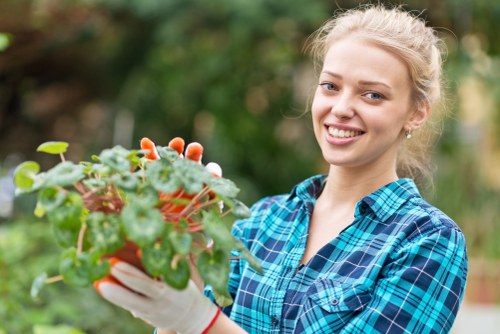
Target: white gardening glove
186 311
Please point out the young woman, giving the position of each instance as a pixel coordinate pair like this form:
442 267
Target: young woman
357 250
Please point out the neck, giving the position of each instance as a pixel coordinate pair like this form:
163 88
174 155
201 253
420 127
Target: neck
346 186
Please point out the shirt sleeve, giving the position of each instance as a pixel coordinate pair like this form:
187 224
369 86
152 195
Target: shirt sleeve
420 288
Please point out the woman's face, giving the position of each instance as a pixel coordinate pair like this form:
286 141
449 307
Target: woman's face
361 105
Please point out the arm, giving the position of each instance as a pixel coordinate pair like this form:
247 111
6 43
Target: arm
420 289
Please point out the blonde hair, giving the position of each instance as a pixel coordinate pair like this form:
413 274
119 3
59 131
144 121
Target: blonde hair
408 37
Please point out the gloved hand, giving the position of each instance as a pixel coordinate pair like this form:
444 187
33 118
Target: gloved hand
186 311
194 151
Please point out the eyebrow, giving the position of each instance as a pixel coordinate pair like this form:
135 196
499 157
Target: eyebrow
362 82
373 83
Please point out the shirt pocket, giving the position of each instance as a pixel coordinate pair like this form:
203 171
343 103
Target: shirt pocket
329 305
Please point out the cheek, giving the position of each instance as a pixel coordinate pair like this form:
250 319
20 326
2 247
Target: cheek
318 106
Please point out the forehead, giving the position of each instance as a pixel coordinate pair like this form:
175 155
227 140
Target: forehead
358 59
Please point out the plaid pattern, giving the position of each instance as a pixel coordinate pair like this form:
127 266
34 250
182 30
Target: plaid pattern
400 267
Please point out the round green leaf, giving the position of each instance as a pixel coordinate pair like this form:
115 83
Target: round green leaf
216 229
105 232
65 237
116 158
127 181
68 214
214 269
167 153
157 256
82 269
64 174
76 269
159 174
181 242
25 173
223 187
143 225
51 198
178 277
53 147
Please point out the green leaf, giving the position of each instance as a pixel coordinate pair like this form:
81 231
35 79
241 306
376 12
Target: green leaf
222 299
25 173
159 173
64 174
127 181
214 269
65 237
223 187
191 176
51 198
117 158
217 231
177 276
68 214
93 184
82 269
143 225
239 209
167 153
37 285
144 195
101 170
53 147
39 210
181 242
5 41
249 257
105 232
76 268
157 256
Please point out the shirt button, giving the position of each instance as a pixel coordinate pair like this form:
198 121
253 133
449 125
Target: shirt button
334 301
274 320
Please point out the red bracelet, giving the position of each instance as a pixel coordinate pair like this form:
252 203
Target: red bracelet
212 322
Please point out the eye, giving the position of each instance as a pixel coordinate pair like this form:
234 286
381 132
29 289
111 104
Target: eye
328 86
374 96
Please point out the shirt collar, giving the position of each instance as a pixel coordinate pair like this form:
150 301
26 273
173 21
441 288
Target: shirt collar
385 201
309 189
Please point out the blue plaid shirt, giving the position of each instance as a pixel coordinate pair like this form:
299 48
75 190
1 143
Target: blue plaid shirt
400 267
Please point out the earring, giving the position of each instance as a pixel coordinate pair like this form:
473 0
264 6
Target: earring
408 134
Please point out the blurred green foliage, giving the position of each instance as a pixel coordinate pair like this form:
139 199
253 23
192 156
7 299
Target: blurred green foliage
231 74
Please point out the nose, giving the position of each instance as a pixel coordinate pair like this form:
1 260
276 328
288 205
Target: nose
343 106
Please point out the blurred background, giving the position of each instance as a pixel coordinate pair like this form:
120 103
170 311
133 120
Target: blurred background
231 74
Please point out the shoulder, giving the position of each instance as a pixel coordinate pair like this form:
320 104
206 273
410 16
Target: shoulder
427 227
429 219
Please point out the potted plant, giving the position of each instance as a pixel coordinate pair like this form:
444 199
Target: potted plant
157 214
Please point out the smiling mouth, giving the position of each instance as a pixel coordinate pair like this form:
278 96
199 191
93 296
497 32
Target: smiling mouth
340 133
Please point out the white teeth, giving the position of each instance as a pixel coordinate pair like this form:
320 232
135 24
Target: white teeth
342 133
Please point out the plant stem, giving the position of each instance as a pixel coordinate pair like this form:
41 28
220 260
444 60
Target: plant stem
194 202
54 279
80 239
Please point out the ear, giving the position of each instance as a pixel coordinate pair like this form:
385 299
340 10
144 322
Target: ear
418 117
